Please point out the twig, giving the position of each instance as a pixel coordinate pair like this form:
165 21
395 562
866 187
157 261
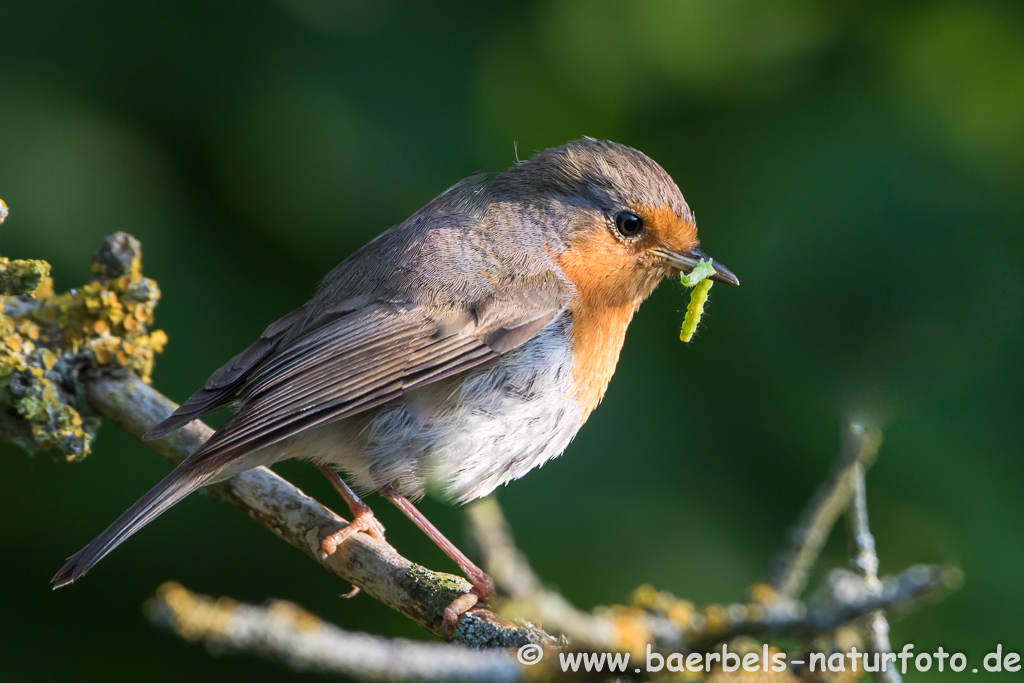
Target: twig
843 598
865 563
530 599
285 631
789 576
418 593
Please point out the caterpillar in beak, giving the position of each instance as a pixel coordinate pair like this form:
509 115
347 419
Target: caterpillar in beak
698 279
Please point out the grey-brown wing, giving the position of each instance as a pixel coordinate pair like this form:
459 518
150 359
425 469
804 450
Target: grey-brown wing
361 361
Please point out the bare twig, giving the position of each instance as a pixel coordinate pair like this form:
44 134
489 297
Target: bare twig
805 540
865 563
285 631
418 593
843 598
530 599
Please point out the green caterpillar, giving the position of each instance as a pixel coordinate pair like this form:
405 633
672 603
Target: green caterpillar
698 279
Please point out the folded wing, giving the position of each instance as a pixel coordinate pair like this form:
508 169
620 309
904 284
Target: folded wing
349 364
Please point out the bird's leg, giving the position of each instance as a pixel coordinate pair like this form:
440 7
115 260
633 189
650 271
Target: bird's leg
362 519
483 585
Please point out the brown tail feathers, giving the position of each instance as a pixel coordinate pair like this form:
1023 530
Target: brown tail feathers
185 479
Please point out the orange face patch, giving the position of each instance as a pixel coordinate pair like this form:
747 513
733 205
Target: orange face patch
603 270
667 230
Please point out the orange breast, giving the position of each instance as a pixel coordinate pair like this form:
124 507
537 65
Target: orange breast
597 337
607 296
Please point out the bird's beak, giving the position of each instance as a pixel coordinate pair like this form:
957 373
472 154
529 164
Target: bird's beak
688 260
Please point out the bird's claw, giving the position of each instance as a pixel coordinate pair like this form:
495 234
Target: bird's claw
363 521
356 590
375 529
483 588
453 613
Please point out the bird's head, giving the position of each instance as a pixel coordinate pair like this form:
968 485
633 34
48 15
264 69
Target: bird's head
622 219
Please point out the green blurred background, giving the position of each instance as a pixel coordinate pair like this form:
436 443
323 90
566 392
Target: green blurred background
859 165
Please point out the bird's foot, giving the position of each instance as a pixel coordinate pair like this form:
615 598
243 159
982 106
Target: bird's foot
483 585
483 588
363 520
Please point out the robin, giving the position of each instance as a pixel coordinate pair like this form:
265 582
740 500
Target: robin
454 352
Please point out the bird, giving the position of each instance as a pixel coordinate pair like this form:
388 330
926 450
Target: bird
453 353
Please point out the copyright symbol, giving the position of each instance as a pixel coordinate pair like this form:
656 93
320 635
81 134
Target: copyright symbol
530 654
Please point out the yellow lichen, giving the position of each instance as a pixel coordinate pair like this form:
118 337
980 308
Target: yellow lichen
300 619
48 339
192 616
632 628
22 278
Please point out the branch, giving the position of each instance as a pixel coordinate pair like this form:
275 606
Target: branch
844 598
865 562
788 577
284 631
415 591
774 609
654 618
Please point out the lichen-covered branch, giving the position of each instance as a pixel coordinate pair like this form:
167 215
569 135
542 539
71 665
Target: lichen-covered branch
844 598
284 631
50 341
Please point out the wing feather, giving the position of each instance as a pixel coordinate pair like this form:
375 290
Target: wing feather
355 363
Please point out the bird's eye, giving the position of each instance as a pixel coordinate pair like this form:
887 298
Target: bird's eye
629 224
